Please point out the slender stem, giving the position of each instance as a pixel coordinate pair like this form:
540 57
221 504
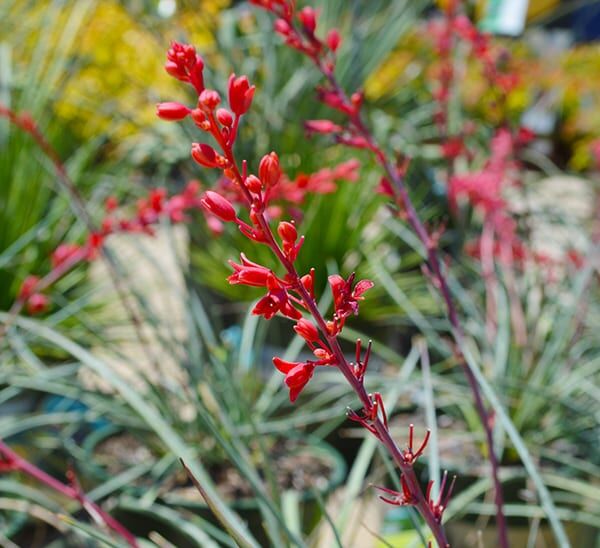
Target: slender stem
18 463
27 125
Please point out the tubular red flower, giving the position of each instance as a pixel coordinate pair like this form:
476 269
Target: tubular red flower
241 94
218 206
307 330
297 375
172 111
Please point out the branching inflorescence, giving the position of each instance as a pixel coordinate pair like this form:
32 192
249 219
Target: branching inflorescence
298 28
288 293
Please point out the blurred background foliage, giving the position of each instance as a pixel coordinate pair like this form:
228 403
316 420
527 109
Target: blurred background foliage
90 72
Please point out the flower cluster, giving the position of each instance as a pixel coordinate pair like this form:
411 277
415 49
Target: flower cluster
291 294
447 32
149 212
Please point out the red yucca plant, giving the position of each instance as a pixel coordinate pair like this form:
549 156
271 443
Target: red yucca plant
289 292
246 196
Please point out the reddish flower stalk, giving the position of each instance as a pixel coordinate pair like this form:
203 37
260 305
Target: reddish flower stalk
148 211
292 295
12 462
24 122
357 134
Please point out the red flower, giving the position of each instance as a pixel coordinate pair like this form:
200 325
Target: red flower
37 303
249 273
345 298
28 286
172 111
307 330
452 148
184 64
308 18
322 126
240 94
297 375
269 170
219 206
207 156
333 40
276 300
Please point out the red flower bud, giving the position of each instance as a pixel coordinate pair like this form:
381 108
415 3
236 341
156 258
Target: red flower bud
218 206
281 26
37 303
307 330
205 155
322 126
308 282
209 98
225 117
240 94
333 40
184 64
253 184
172 111
308 18
111 204
269 170
287 232
28 286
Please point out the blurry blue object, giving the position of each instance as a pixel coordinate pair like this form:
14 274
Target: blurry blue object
586 23
61 404
232 337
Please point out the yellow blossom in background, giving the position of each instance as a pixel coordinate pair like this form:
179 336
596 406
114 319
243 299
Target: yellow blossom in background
122 78
114 74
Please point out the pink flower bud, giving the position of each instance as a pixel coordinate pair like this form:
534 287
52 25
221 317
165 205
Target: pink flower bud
281 26
307 330
37 303
333 40
287 232
308 18
218 206
205 155
269 170
322 126
240 94
225 117
172 111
